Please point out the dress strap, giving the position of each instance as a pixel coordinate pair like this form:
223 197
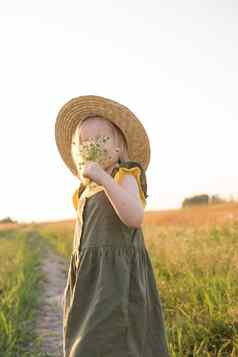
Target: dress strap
77 193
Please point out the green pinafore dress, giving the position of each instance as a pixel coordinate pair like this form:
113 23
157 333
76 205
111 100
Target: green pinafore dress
112 305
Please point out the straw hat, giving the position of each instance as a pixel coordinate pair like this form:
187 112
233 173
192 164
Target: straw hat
81 107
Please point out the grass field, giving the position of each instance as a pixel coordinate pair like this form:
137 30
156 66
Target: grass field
194 252
19 279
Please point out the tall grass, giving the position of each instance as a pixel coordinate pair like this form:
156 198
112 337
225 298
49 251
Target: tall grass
19 278
59 235
196 272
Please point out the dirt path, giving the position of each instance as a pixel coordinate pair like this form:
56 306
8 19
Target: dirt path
49 325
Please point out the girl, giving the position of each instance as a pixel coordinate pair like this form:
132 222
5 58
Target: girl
112 305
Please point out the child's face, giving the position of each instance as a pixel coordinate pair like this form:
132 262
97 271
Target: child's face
96 143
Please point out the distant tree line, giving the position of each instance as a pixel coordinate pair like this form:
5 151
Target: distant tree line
205 199
7 220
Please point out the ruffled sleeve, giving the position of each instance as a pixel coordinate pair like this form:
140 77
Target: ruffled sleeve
134 168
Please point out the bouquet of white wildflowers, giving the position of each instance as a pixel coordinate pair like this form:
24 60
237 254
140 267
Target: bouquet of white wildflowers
91 150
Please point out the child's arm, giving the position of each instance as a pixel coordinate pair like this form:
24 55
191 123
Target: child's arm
125 199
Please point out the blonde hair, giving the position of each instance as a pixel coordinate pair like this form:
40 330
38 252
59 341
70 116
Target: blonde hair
118 136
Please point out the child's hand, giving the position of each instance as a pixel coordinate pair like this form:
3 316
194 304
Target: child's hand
93 171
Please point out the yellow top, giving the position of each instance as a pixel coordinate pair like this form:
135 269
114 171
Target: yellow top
122 171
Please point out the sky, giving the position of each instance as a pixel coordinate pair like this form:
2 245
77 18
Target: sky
173 63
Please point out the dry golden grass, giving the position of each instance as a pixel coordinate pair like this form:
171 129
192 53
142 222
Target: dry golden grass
201 217
181 238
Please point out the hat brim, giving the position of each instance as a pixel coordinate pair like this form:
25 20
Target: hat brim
81 107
